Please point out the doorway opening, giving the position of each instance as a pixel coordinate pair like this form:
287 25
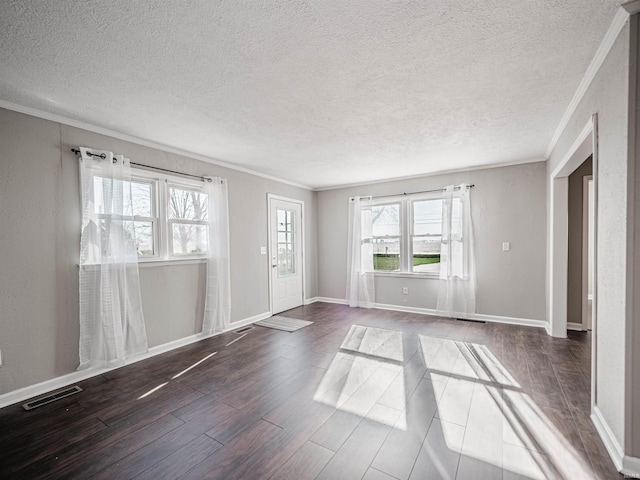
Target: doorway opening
584 146
579 254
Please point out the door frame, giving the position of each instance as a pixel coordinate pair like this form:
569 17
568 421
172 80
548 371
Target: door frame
585 144
270 197
587 260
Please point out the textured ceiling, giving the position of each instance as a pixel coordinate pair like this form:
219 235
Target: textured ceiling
318 92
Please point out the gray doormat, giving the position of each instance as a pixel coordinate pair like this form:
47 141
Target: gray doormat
283 323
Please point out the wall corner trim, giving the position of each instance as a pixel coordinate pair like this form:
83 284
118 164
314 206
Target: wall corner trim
619 20
41 388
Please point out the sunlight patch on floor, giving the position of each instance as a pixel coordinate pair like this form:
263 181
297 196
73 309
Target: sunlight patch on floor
365 377
504 428
193 366
378 342
155 389
177 375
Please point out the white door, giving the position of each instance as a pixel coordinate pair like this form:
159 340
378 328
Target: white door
285 239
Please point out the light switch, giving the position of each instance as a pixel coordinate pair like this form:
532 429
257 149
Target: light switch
263 250
506 246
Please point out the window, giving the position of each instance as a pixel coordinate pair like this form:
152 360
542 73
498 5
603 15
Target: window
188 222
426 233
386 235
406 235
141 223
167 216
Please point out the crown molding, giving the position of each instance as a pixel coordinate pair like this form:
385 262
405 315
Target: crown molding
620 19
632 7
435 174
140 141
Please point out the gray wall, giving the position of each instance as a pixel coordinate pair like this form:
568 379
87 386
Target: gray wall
608 96
507 204
574 277
39 241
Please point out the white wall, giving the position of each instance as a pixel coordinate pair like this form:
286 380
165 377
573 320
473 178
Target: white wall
608 96
40 239
507 204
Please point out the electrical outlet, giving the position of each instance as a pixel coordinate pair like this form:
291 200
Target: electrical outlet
506 247
405 291
263 250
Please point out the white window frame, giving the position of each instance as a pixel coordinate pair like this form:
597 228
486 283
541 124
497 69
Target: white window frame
161 183
154 220
406 234
170 221
400 235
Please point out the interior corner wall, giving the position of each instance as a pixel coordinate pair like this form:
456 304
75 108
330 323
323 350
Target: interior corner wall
507 205
575 230
607 96
40 243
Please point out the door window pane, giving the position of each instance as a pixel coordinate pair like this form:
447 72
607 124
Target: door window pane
286 252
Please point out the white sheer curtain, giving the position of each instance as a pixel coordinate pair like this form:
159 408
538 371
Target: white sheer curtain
111 320
360 279
217 309
457 291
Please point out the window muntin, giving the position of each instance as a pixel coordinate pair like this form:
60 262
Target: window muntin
386 237
188 223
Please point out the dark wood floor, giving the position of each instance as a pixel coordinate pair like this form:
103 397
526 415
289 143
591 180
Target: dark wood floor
408 397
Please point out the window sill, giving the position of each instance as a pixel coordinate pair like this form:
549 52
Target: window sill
173 261
162 263
431 276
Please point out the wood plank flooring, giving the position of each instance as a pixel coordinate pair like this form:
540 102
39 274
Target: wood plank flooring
402 396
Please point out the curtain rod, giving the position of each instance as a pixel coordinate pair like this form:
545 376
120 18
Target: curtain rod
423 191
103 156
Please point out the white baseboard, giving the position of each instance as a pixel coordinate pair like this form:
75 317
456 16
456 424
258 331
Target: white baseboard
428 311
340 301
248 321
575 326
547 327
41 388
476 316
625 464
608 438
631 466
309 301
